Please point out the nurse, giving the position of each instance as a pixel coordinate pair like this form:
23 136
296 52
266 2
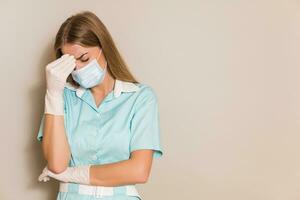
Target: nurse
100 127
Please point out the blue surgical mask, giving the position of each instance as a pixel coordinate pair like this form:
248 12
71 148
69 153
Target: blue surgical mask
90 75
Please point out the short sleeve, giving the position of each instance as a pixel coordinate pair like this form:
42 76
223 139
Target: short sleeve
40 132
145 126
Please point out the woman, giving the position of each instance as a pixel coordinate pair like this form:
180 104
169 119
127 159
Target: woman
100 128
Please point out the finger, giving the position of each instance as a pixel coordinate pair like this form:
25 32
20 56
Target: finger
64 62
46 179
59 60
65 55
41 177
43 174
59 64
68 69
63 71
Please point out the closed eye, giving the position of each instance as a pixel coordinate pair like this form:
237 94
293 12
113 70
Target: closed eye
85 60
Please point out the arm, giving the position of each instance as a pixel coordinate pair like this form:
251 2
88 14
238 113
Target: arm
134 170
144 141
54 144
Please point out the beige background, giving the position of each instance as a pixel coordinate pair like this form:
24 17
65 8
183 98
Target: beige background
227 78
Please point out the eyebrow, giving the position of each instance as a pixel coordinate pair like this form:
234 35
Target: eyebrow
81 56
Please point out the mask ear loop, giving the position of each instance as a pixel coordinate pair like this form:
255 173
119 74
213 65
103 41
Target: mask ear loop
105 60
99 54
104 70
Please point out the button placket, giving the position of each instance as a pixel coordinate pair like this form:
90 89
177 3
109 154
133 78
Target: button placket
96 134
97 128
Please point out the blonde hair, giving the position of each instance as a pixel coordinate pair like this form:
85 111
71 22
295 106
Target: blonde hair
86 29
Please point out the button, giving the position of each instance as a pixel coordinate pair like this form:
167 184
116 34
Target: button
98 114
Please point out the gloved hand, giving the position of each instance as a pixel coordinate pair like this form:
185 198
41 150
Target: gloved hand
56 76
78 174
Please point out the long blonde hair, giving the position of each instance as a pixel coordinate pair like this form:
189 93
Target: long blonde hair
86 29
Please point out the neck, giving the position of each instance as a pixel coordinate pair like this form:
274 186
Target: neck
105 87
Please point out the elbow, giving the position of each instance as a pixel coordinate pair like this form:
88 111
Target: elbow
57 164
57 169
142 179
141 166
142 176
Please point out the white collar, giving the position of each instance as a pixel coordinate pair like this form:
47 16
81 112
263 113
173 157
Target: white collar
119 87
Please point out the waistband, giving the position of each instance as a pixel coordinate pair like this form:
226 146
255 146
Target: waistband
99 191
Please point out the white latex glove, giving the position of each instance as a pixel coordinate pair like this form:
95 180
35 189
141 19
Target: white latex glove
78 174
57 73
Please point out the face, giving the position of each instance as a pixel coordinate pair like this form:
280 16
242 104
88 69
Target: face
83 55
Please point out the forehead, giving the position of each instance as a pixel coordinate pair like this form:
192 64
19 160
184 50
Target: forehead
74 49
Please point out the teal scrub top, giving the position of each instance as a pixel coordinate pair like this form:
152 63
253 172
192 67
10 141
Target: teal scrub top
126 120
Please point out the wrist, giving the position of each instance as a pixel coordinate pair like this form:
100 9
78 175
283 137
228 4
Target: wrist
54 102
81 175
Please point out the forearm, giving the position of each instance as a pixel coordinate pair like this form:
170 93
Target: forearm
55 145
125 172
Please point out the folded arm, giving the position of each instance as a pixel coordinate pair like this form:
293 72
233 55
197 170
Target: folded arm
134 170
